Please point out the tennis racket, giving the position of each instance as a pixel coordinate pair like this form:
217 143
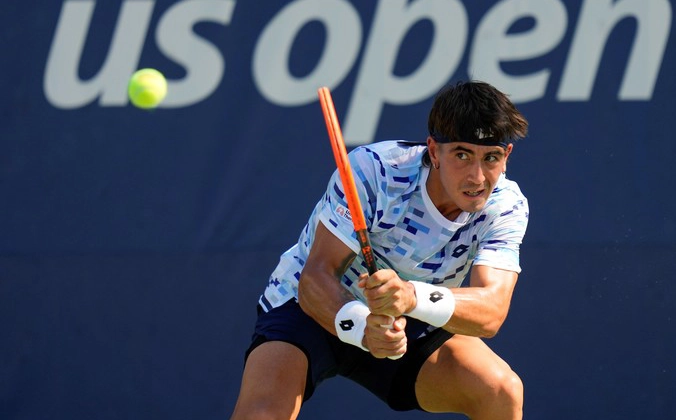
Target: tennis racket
349 187
346 177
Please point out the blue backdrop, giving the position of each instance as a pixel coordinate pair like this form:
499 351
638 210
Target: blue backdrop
134 244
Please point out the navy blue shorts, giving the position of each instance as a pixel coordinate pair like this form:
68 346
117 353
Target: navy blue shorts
393 381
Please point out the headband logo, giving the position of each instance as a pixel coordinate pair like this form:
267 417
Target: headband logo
479 133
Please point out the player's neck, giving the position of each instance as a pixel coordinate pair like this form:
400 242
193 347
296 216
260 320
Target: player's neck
439 197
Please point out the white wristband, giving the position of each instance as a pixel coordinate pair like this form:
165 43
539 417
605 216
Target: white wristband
435 304
350 323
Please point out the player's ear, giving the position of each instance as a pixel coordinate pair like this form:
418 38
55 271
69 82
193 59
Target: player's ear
508 151
432 148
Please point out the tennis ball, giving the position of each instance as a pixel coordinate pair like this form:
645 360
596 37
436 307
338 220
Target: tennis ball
147 88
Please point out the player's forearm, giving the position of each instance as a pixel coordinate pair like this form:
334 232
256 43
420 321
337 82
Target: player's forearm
321 296
478 312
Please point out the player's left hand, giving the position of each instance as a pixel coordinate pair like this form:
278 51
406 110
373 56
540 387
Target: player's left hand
385 336
387 294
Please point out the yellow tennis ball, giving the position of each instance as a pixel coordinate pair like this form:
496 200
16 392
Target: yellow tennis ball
147 88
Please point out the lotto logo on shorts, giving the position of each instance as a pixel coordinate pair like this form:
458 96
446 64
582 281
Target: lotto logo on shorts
346 324
436 296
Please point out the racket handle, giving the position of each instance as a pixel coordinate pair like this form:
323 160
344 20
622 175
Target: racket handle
367 252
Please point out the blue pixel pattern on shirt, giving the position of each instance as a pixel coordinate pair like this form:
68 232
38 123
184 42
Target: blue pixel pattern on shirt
407 233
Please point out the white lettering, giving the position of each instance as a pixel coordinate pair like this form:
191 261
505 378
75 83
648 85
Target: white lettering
376 82
62 85
494 45
598 18
203 63
271 56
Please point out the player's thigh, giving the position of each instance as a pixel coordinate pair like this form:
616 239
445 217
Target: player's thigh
273 382
462 372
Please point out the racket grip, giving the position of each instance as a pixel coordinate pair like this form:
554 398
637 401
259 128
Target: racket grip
367 252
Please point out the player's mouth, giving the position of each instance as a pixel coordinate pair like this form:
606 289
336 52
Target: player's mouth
473 193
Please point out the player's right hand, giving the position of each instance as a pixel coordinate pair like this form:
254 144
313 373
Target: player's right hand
384 339
386 293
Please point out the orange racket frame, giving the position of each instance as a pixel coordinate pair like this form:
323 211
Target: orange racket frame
346 177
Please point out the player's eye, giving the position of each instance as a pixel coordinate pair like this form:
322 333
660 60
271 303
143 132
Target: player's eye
462 156
492 158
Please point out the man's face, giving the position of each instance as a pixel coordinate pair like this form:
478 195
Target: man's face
468 172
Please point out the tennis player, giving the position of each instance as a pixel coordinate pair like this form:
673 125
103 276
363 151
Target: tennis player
445 225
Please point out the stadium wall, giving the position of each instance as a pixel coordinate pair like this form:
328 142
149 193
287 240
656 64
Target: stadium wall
134 244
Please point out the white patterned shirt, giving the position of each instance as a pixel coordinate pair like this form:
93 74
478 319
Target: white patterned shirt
407 232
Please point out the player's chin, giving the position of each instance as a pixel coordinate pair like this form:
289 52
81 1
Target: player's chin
474 201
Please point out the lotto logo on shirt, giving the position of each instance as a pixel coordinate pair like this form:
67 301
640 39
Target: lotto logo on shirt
344 213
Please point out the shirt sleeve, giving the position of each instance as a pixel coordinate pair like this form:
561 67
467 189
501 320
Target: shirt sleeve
499 247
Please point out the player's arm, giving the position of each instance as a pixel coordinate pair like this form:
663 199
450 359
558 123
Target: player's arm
321 295
478 310
481 308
